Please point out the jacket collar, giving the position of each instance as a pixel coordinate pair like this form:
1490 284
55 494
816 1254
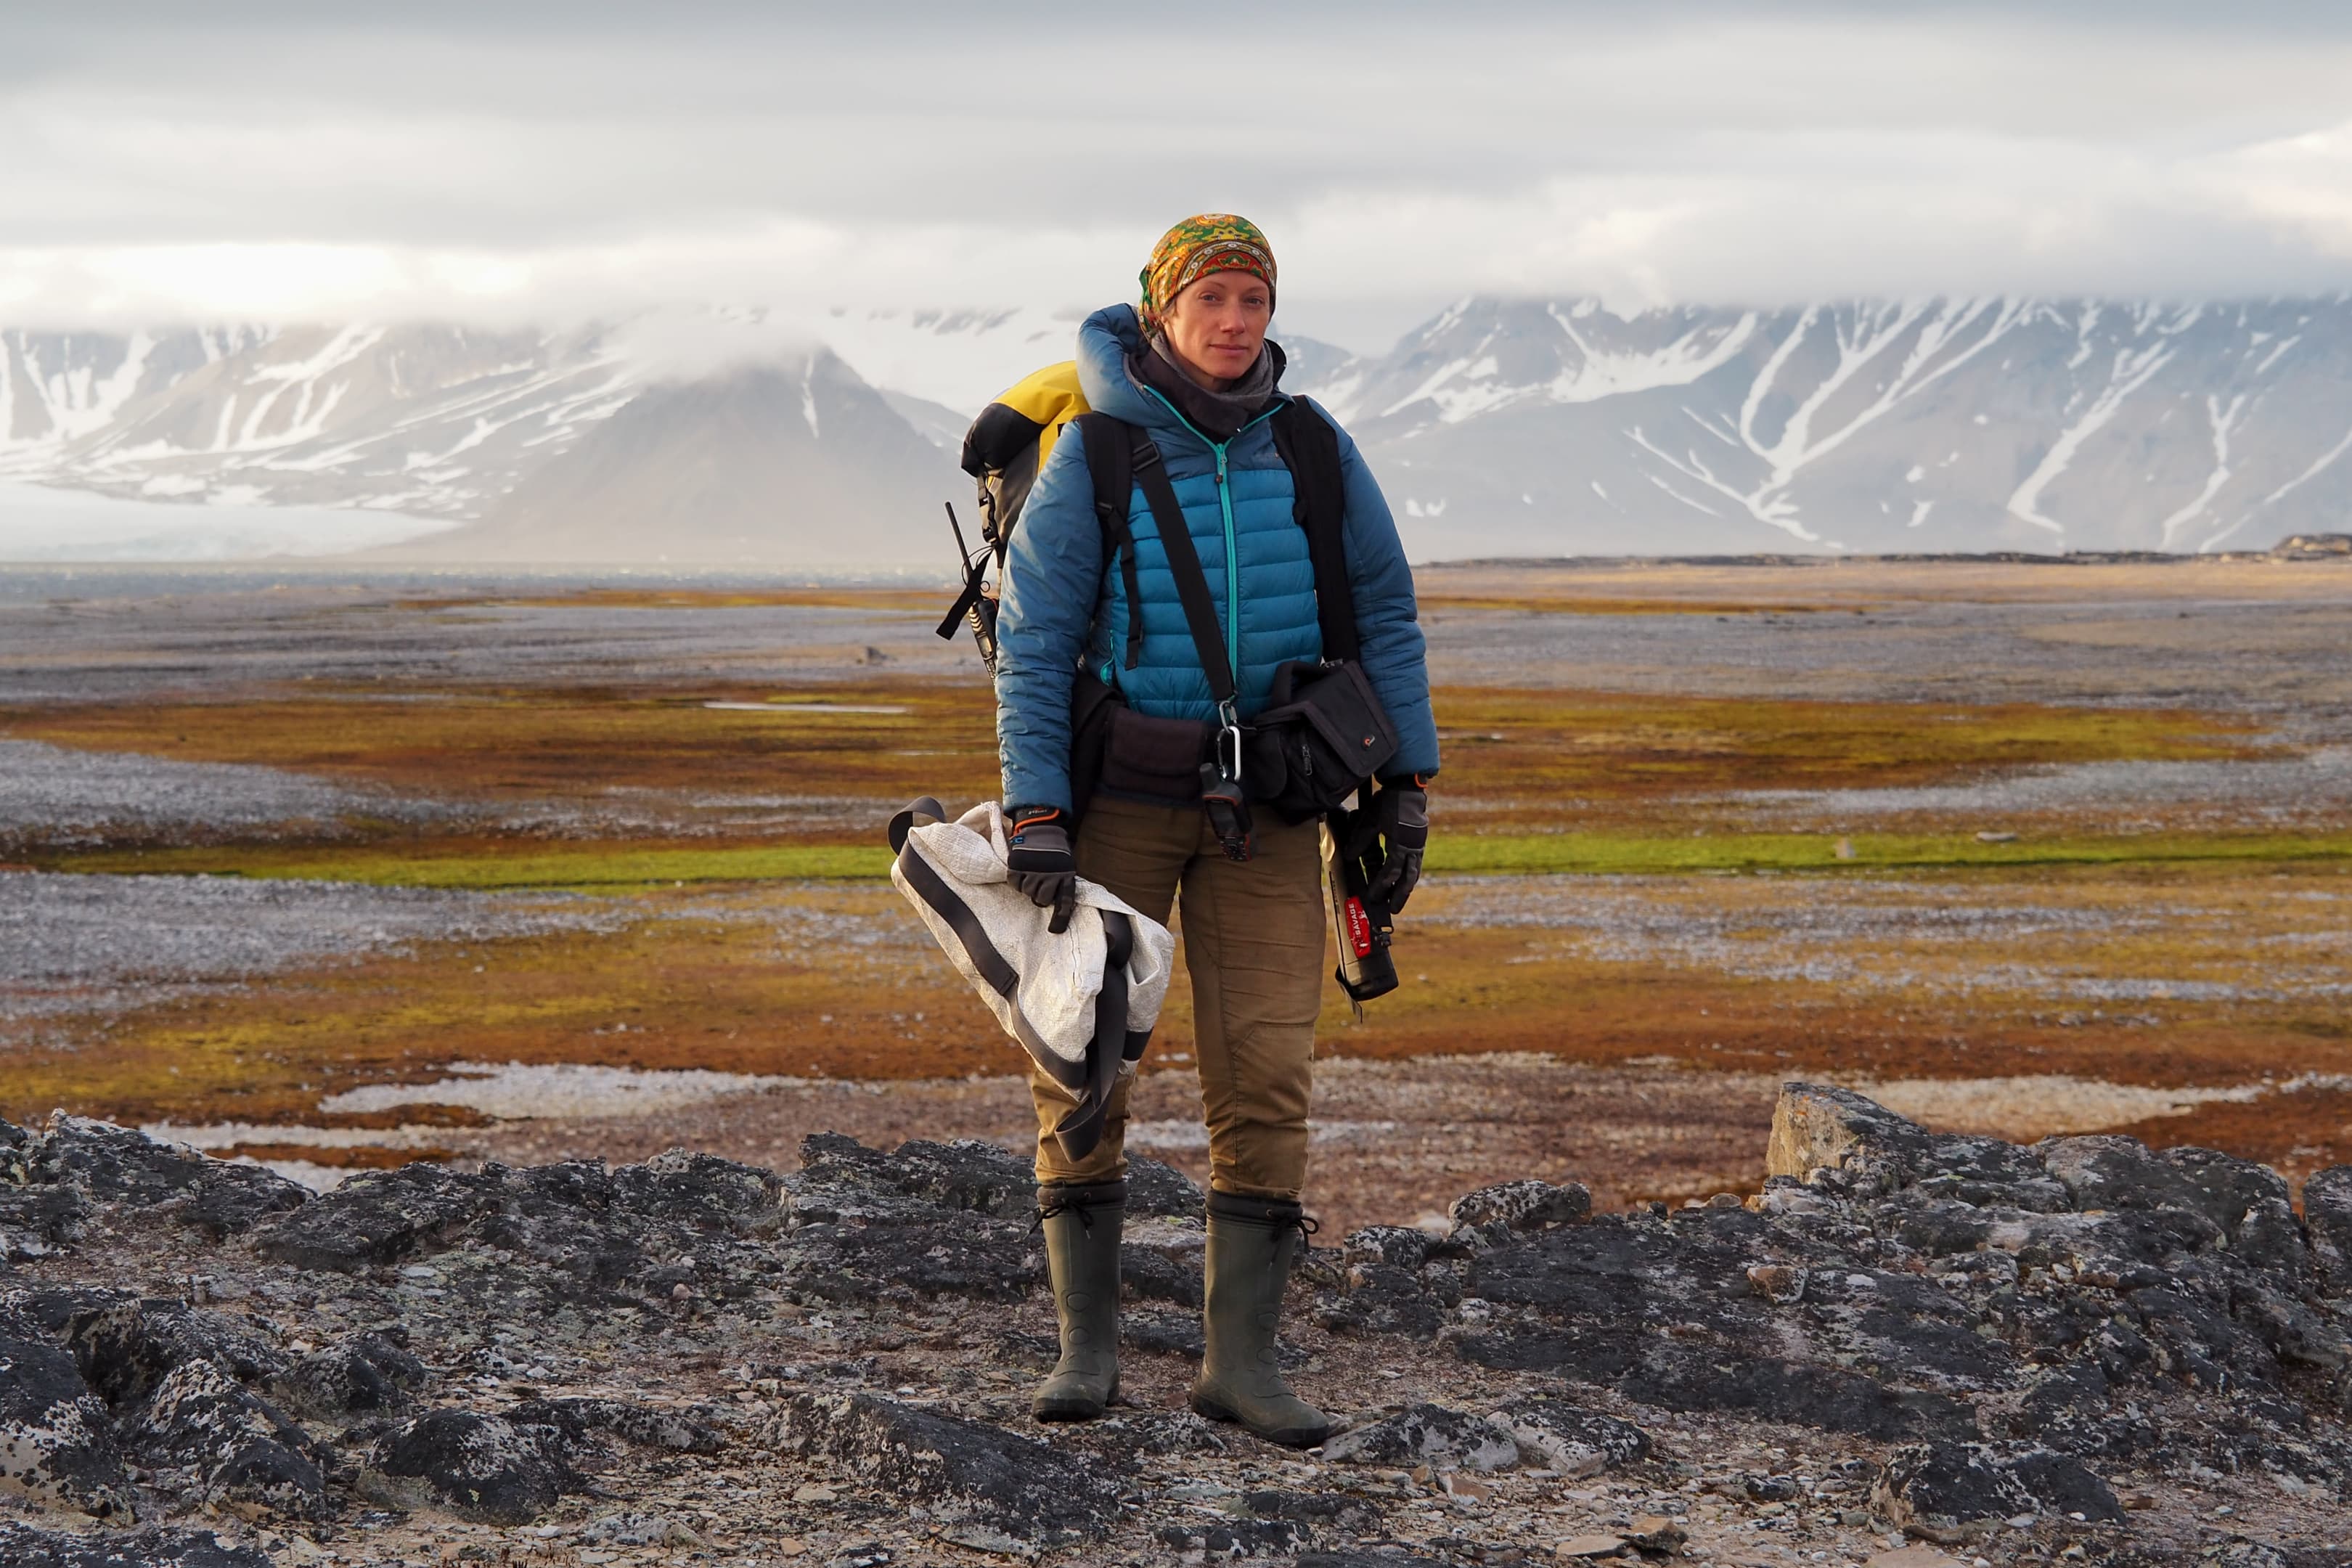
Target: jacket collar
1108 343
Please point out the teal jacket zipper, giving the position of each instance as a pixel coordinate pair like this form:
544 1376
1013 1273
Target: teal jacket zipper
1232 542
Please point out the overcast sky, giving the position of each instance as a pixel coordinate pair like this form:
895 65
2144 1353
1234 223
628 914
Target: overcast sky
549 162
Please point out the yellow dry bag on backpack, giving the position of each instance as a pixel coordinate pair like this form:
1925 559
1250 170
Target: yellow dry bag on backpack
1004 451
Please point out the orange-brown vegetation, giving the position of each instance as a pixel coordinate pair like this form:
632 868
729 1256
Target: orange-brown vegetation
1515 757
789 979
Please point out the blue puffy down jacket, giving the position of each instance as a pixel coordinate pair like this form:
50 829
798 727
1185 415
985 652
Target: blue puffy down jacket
1066 605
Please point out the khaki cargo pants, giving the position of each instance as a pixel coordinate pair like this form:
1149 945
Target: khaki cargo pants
1253 944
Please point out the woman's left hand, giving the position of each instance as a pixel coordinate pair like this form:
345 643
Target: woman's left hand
1401 818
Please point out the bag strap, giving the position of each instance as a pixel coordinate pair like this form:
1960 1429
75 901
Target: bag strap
1110 461
1310 448
920 812
975 583
1184 565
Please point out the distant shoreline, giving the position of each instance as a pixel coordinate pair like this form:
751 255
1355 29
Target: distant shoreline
2320 548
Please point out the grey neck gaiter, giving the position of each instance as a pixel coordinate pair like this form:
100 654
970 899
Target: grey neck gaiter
1219 415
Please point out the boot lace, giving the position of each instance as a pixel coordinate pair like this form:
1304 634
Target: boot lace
1307 1227
1057 1206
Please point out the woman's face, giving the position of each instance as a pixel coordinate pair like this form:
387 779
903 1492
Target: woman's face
1217 326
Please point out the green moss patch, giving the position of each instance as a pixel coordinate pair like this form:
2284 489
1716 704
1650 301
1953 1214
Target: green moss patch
1591 854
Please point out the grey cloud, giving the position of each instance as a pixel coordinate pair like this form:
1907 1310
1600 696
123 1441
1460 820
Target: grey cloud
618 155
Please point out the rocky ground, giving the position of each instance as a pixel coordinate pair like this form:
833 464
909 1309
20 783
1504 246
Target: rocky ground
1910 1348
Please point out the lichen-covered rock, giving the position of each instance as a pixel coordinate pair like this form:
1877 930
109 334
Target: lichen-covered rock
2105 1171
1956 1491
1160 1259
50 1310
365 1373
958 1255
1869 1150
127 1349
22 1546
1325 1510
1427 1435
1128 1432
679 1186
1392 1279
2328 1216
1523 1206
36 1219
1232 1540
1162 1333
965 1176
957 1466
57 1444
928 1219
1984 1173
238 1446
1939 1291
1380 1298
621 1236
1676 1376
110 1166
632 1232
1556 1435
377 1216
1153 1188
1816 1127
2230 1191
1396 1245
1663 1312
578 1418
482 1467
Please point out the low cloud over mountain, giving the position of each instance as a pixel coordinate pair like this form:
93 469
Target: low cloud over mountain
1498 427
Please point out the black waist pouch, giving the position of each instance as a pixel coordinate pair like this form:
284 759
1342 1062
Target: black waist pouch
1321 737
1157 760
1116 750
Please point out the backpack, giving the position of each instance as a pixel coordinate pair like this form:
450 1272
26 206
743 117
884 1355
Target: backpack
1006 448
1004 451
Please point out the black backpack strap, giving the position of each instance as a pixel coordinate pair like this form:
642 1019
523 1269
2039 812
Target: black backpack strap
1311 449
1110 460
1184 563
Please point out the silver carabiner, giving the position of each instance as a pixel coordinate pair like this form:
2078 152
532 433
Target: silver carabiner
1229 735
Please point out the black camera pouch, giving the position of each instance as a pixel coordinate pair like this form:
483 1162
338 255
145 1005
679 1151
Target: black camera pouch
1322 736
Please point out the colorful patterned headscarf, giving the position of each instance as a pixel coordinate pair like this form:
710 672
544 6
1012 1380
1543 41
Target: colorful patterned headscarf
1203 244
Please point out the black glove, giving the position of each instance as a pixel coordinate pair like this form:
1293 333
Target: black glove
1401 818
1042 866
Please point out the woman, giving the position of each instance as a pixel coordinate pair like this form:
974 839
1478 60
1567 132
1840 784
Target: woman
1191 368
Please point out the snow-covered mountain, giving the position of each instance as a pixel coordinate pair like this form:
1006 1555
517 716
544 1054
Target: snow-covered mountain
1500 427
798 465
1514 428
742 446
433 421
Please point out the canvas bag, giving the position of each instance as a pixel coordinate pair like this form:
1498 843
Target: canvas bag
1081 1002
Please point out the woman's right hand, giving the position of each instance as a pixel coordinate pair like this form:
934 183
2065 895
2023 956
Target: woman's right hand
1042 866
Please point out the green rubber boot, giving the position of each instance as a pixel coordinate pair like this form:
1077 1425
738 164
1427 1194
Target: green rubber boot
1251 1241
1082 1226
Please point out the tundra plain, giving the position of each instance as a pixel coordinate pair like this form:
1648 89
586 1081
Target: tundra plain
336 872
